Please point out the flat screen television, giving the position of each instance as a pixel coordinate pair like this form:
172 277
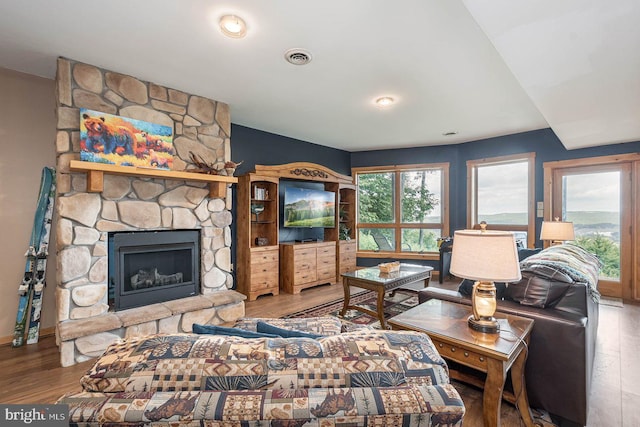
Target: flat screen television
309 208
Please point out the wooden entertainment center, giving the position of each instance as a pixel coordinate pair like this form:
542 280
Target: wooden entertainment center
264 264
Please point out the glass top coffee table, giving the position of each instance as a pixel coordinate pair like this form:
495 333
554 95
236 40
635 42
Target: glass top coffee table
494 354
372 279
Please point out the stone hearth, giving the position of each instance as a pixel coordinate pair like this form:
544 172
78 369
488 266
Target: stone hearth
83 219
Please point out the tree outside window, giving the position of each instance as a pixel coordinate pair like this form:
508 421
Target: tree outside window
400 210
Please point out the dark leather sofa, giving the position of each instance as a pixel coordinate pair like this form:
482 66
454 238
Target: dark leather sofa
561 350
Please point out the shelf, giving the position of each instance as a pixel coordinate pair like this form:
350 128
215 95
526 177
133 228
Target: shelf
262 222
95 176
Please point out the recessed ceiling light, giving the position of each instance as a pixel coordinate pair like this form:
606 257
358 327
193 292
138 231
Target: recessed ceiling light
385 101
233 26
450 133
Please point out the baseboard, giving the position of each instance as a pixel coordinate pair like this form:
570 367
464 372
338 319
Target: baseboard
44 332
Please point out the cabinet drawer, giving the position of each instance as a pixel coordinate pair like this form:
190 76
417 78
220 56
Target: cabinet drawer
264 268
348 258
304 253
461 355
304 276
264 257
264 280
347 248
347 268
325 262
304 266
328 274
327 251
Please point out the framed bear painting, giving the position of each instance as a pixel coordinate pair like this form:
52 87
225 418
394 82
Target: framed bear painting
116 140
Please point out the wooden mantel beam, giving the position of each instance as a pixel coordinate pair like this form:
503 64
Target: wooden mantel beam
95 176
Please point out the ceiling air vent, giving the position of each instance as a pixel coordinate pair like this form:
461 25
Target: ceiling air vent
297 56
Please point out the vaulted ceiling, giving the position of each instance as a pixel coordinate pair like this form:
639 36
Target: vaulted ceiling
479 68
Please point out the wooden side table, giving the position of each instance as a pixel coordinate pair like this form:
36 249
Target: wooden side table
494 354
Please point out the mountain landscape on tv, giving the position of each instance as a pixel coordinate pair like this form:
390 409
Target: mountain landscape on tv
312 209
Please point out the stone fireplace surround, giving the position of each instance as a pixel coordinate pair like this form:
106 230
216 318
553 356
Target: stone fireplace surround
85 326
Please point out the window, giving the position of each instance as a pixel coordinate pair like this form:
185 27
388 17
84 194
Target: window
501 194
401 210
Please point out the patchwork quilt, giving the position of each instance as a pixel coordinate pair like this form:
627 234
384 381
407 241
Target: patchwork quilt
366 377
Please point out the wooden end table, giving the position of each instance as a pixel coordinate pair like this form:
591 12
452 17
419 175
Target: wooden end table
494 354
372 279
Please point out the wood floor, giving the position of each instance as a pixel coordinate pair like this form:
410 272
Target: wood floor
32 374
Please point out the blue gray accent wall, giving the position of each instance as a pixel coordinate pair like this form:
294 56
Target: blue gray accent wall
255 147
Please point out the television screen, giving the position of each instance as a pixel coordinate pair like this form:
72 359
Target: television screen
307 207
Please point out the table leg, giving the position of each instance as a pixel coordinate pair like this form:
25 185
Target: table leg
381 291
492 395
347 295
426 281
520 388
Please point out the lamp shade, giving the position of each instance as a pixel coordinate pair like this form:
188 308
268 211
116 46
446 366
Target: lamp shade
485 255
557 230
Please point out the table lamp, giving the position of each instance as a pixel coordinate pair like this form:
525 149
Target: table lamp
557 231
486 257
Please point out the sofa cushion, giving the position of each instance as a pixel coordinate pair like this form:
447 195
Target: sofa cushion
538 291
541 286
466 288
269 329
416 405
189 362
236 332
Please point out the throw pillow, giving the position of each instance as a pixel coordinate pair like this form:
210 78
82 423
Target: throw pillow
221 330
541 286
284 333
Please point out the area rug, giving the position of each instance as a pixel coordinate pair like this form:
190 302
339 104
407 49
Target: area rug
401 301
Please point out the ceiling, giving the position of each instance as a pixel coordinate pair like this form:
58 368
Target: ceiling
481 68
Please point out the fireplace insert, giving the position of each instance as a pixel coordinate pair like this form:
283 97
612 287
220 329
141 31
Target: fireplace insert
148 267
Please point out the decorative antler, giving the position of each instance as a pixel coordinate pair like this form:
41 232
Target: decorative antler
210 168
232 165
203 166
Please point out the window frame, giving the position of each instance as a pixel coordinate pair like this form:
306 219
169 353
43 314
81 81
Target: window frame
397 225
472 194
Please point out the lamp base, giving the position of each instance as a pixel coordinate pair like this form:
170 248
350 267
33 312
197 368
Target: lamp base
487 325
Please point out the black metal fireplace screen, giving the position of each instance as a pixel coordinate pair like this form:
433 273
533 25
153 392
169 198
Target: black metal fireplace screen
148 267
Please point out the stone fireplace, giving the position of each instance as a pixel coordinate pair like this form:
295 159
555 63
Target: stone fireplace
87 221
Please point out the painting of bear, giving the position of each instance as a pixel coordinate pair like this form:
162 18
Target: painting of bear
111 138
106 138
